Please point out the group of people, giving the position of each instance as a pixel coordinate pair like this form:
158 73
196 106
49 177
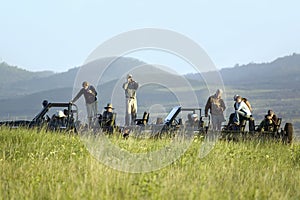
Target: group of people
90 95
243 111
215 105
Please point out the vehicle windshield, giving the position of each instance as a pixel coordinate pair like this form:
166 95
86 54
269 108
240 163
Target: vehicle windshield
172 114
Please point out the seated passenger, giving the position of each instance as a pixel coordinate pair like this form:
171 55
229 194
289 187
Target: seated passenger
241 110
269 122
192 121
58 120
108 118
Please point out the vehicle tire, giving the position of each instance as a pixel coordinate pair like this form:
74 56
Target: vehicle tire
289 130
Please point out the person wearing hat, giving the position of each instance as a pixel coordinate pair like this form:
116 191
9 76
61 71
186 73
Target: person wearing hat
108 113
108 118
268 122
130 87
193 121
58 121
90 96
216 106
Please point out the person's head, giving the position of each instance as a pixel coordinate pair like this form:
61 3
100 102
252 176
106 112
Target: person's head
271 113
235 96
85 84
219 93
45 103
66 112
109 107
238 99
194 117
129 77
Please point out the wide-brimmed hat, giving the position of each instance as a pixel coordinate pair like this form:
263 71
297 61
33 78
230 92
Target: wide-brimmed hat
194 115
109 105
60 114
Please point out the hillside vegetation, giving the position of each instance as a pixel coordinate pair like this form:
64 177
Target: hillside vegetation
11 74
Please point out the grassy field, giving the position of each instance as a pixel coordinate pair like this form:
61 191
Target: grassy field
39 165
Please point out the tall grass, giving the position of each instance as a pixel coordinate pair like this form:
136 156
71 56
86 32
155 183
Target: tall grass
40 165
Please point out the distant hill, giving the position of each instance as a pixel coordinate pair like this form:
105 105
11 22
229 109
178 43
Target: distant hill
11 74
281 73
273 85
22 82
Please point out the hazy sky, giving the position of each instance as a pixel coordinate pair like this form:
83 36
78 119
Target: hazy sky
60 34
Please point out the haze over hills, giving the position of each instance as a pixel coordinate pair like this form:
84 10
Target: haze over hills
269 85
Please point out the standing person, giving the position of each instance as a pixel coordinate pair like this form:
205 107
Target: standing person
90 96
216 106
130 87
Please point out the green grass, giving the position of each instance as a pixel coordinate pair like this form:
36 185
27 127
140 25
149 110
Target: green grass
39 165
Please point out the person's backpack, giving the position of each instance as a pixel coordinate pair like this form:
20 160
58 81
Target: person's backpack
247 103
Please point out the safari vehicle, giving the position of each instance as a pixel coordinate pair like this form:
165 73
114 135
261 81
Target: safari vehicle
178 119
64 117
274 131
187 118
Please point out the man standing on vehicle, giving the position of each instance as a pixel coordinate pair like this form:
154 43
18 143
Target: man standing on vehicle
216 106
90 96
130 87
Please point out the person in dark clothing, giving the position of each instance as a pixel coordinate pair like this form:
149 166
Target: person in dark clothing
90 96
108 119
269 122
216 106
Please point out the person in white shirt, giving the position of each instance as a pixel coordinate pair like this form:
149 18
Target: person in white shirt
241 109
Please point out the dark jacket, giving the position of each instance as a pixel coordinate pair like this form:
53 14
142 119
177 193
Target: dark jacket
215 105
130 89
89 97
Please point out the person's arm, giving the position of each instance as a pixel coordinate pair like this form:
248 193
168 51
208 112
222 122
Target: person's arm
135 85
77 96
275 119
125 85
222 105
207 106
241 106
94 92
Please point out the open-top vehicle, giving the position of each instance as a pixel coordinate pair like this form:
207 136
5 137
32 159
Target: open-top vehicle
64 117
53 116
178 119
273 131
